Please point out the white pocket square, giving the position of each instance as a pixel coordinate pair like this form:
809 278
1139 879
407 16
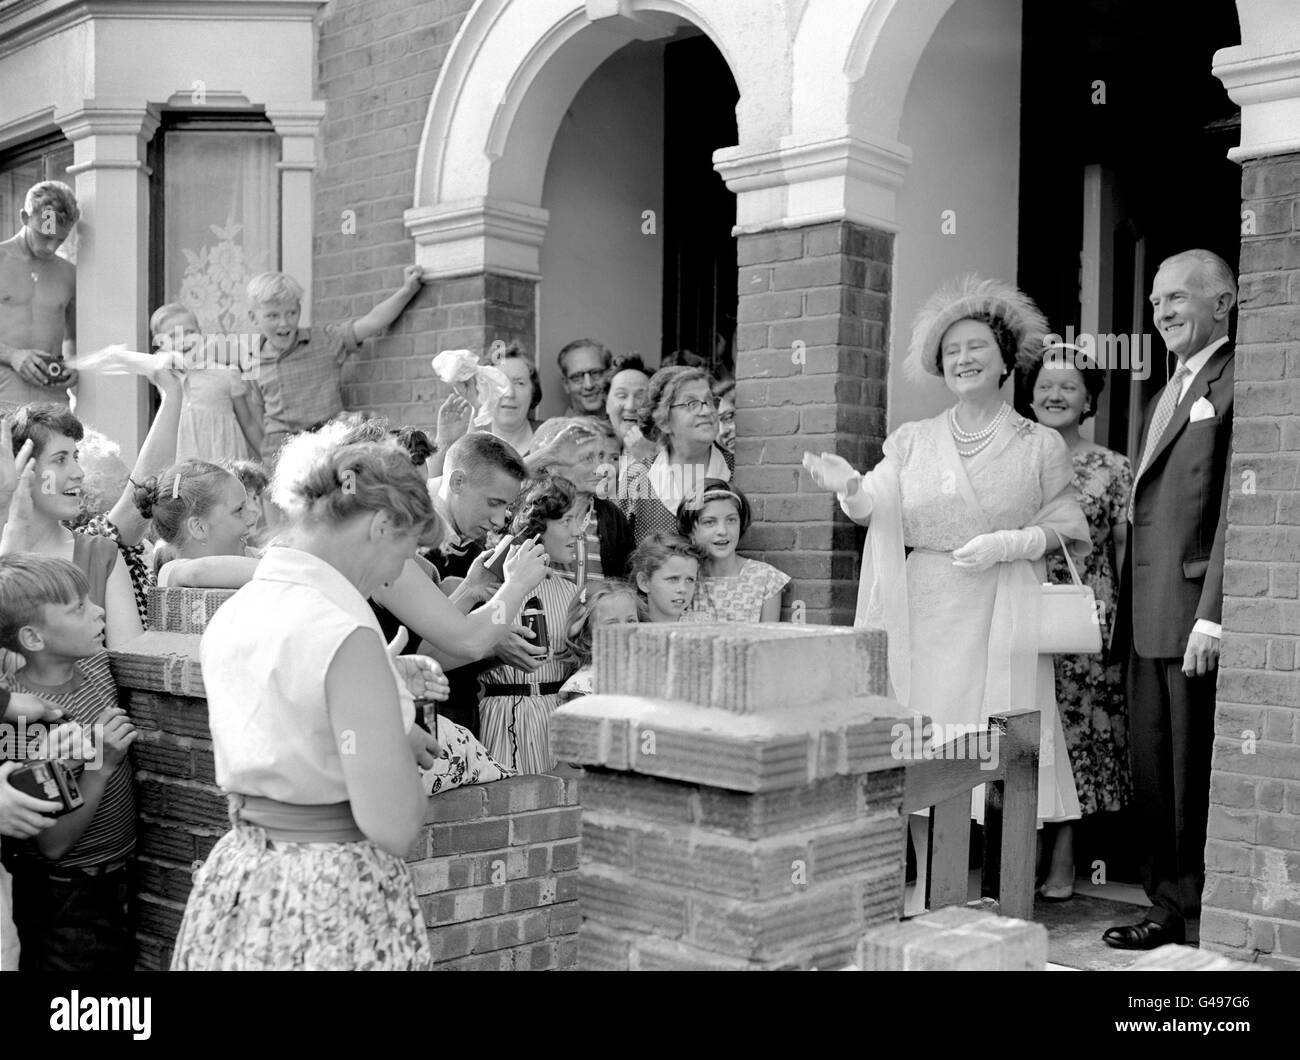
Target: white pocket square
1201 410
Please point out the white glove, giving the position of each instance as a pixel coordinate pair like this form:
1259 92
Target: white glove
1001 546
832 472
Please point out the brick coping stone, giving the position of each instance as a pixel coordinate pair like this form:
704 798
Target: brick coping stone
779 749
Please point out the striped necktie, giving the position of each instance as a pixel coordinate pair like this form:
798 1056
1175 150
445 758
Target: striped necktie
1159 423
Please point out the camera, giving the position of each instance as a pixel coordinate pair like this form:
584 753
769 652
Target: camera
52 780
56 369
496 564
534 619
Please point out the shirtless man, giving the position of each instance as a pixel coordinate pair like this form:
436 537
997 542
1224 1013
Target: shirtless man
37 312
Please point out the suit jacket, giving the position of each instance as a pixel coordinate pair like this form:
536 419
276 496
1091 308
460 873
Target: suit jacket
461 704
1173 567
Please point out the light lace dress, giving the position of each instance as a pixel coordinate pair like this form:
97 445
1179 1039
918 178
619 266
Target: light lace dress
208 428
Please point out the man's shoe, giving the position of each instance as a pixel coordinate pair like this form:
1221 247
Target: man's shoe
1144 936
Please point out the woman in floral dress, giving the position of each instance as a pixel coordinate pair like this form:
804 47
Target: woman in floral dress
1089 688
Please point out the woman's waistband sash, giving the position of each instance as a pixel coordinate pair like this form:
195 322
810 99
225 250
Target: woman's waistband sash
288 822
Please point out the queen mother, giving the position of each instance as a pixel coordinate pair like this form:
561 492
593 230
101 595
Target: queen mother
978 495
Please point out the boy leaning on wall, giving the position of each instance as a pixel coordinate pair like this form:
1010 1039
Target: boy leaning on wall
298 370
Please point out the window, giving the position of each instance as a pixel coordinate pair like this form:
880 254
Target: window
47 159
216 215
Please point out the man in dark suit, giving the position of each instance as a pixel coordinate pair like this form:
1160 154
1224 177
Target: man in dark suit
1171 597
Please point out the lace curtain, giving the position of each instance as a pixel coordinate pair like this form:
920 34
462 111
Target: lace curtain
221 221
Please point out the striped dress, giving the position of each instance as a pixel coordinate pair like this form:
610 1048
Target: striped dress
516 729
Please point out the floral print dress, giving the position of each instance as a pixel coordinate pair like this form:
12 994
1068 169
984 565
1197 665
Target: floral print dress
738 598
1090 688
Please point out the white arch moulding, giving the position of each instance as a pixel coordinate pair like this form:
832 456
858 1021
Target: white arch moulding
852 63
512 71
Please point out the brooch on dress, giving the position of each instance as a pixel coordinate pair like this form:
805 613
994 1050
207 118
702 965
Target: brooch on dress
1025 427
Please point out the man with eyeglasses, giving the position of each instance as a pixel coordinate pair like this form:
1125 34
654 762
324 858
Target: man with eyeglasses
584 370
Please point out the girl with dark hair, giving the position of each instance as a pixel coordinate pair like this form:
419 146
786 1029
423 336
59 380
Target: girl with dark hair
515 712
731 588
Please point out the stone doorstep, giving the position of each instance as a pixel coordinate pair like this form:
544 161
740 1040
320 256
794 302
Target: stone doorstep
955 938
1188 959
721 749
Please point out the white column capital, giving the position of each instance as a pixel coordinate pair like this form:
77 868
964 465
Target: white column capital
298 119
1266 85
478 235
297 127
119 134
796 182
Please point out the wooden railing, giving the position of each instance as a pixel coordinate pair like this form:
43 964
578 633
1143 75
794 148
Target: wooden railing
943 784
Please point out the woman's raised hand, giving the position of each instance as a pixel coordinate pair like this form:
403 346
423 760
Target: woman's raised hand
454 417
830 472
525 565
8 459
18 530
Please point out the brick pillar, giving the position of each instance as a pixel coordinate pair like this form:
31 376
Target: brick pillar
810 369
1252 887
394 376
741 809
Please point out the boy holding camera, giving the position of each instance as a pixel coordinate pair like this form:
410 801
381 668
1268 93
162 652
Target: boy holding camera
21 814
71 882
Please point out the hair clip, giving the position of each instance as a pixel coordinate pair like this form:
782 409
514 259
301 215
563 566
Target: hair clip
176 486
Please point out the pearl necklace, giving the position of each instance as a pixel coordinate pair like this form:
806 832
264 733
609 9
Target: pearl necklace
980 440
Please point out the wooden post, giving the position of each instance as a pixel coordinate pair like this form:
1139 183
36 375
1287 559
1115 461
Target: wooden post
949 852
1011 814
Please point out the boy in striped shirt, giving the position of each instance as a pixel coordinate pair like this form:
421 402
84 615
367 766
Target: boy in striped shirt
71 888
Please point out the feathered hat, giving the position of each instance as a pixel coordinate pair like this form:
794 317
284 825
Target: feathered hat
971 297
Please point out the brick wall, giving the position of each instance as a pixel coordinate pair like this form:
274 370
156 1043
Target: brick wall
495 865
1252 891
811 368
496 869
377 72
725 825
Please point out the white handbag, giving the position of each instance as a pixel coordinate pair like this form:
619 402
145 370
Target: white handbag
1068 622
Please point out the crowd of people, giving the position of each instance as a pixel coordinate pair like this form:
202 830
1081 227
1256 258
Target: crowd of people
410 612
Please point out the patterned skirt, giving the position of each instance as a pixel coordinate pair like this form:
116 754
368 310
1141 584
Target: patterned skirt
263 906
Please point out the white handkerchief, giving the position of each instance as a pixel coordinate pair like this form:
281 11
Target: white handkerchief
1201 410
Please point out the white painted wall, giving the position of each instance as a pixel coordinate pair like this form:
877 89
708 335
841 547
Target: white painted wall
961 118
601 277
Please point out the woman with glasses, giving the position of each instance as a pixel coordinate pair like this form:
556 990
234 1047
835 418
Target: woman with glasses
681 417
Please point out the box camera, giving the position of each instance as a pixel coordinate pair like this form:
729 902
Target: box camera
52 780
